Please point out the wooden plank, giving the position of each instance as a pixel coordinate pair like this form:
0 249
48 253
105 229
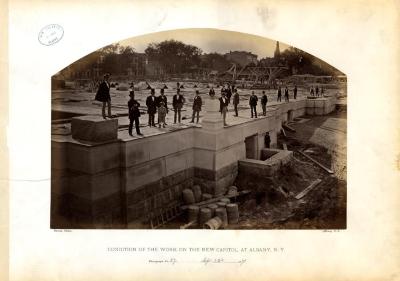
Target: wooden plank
308 188
282 191
316 162
287 127
216 199
185 226
283 132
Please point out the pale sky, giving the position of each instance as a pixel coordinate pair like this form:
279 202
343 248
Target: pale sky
210 40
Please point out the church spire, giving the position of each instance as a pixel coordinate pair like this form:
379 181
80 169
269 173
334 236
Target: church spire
277 52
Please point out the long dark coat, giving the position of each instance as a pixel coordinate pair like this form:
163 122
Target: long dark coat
177 101
133 107
103 93
197 103
151 103
253 100
264 100
236 98
223 103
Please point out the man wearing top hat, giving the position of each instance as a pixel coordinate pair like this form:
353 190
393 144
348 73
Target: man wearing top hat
134 113
103 95
253 104
177 103
223 106
236 102
197 103
151 103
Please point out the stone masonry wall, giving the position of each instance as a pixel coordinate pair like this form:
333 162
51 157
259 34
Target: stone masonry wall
119 183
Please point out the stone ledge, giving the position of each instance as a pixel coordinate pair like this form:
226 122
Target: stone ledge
267 167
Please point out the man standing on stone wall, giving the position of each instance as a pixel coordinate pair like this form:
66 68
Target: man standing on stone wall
103 95
286 94
162 98
197 103
134 113
177 104
151 103
236 102
279 94
223 106
264 101
295 92
211 92
228 93
253 104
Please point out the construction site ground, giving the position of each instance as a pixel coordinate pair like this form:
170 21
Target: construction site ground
273 204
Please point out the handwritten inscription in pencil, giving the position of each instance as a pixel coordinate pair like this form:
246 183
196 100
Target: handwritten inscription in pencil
206 261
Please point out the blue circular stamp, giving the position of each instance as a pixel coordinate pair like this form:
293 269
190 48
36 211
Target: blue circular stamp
50 34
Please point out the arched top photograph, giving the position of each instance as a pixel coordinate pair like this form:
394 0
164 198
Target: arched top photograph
199 128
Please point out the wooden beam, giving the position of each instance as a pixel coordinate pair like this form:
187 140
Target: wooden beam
185 226
316 162
308 188
283 132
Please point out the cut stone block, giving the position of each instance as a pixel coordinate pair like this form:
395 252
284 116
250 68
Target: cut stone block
94 128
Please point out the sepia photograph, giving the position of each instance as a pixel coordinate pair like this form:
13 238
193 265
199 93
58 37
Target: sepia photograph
199 129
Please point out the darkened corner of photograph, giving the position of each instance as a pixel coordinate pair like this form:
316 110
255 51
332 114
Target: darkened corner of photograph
199 129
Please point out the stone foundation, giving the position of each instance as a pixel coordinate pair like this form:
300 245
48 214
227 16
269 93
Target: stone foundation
157 195
99 181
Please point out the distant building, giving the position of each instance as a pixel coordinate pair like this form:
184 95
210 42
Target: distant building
242 58
88 67
137 66
154 68
267 62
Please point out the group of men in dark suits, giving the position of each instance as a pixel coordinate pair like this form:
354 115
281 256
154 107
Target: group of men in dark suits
153 103
226 94
225 100
253 104
314 91
286 94
160 104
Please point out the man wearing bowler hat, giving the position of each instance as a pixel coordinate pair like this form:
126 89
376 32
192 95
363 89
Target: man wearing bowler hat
134 113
